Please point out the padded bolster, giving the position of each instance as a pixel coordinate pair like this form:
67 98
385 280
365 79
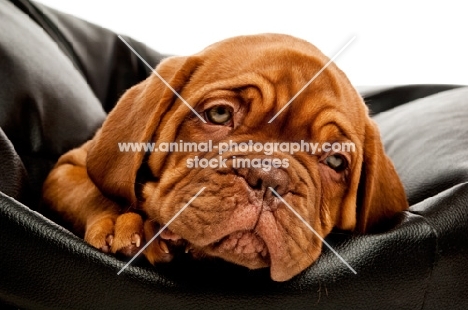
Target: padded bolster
427 141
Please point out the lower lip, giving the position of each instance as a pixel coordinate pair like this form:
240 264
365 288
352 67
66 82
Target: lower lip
242 242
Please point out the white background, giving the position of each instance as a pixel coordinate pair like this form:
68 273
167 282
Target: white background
397 42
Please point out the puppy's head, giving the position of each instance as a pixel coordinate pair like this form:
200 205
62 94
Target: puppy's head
259 203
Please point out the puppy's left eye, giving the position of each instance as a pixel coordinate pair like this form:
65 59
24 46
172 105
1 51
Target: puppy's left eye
219 115
337 162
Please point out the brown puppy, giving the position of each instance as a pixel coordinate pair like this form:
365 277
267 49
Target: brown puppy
118 200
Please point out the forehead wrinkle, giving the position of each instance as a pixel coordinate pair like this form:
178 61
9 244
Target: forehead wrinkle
247 51
267 73
284 62
260 56
322 92
330 123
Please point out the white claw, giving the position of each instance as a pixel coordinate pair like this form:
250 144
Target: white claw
188 248
163 246
136 240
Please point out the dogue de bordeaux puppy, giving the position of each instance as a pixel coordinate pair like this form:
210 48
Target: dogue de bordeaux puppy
118 200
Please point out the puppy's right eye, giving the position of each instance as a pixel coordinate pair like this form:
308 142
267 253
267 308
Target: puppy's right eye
219 115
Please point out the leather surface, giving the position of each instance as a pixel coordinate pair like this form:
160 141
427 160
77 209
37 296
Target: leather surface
383 98
49 104
427 140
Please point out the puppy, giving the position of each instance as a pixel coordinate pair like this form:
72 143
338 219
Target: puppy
117 200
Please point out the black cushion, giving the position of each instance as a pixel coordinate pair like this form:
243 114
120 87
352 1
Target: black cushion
427 140
56 96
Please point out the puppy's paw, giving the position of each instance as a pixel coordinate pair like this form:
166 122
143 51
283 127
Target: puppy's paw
128 235
116 234
100 233
157 251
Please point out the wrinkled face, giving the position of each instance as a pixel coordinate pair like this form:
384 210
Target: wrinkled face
237 216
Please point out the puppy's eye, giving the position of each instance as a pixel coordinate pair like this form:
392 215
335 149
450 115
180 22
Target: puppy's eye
219 115
337 162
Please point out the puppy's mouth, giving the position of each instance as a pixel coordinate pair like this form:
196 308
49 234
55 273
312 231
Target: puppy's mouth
244 246
244 226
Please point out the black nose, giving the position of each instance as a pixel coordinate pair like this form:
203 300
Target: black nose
261 180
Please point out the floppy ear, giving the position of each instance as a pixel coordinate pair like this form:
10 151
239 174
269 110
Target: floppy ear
134 119
381 193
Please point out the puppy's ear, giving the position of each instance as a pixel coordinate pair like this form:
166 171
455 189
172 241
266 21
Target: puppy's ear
381 193
134 119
